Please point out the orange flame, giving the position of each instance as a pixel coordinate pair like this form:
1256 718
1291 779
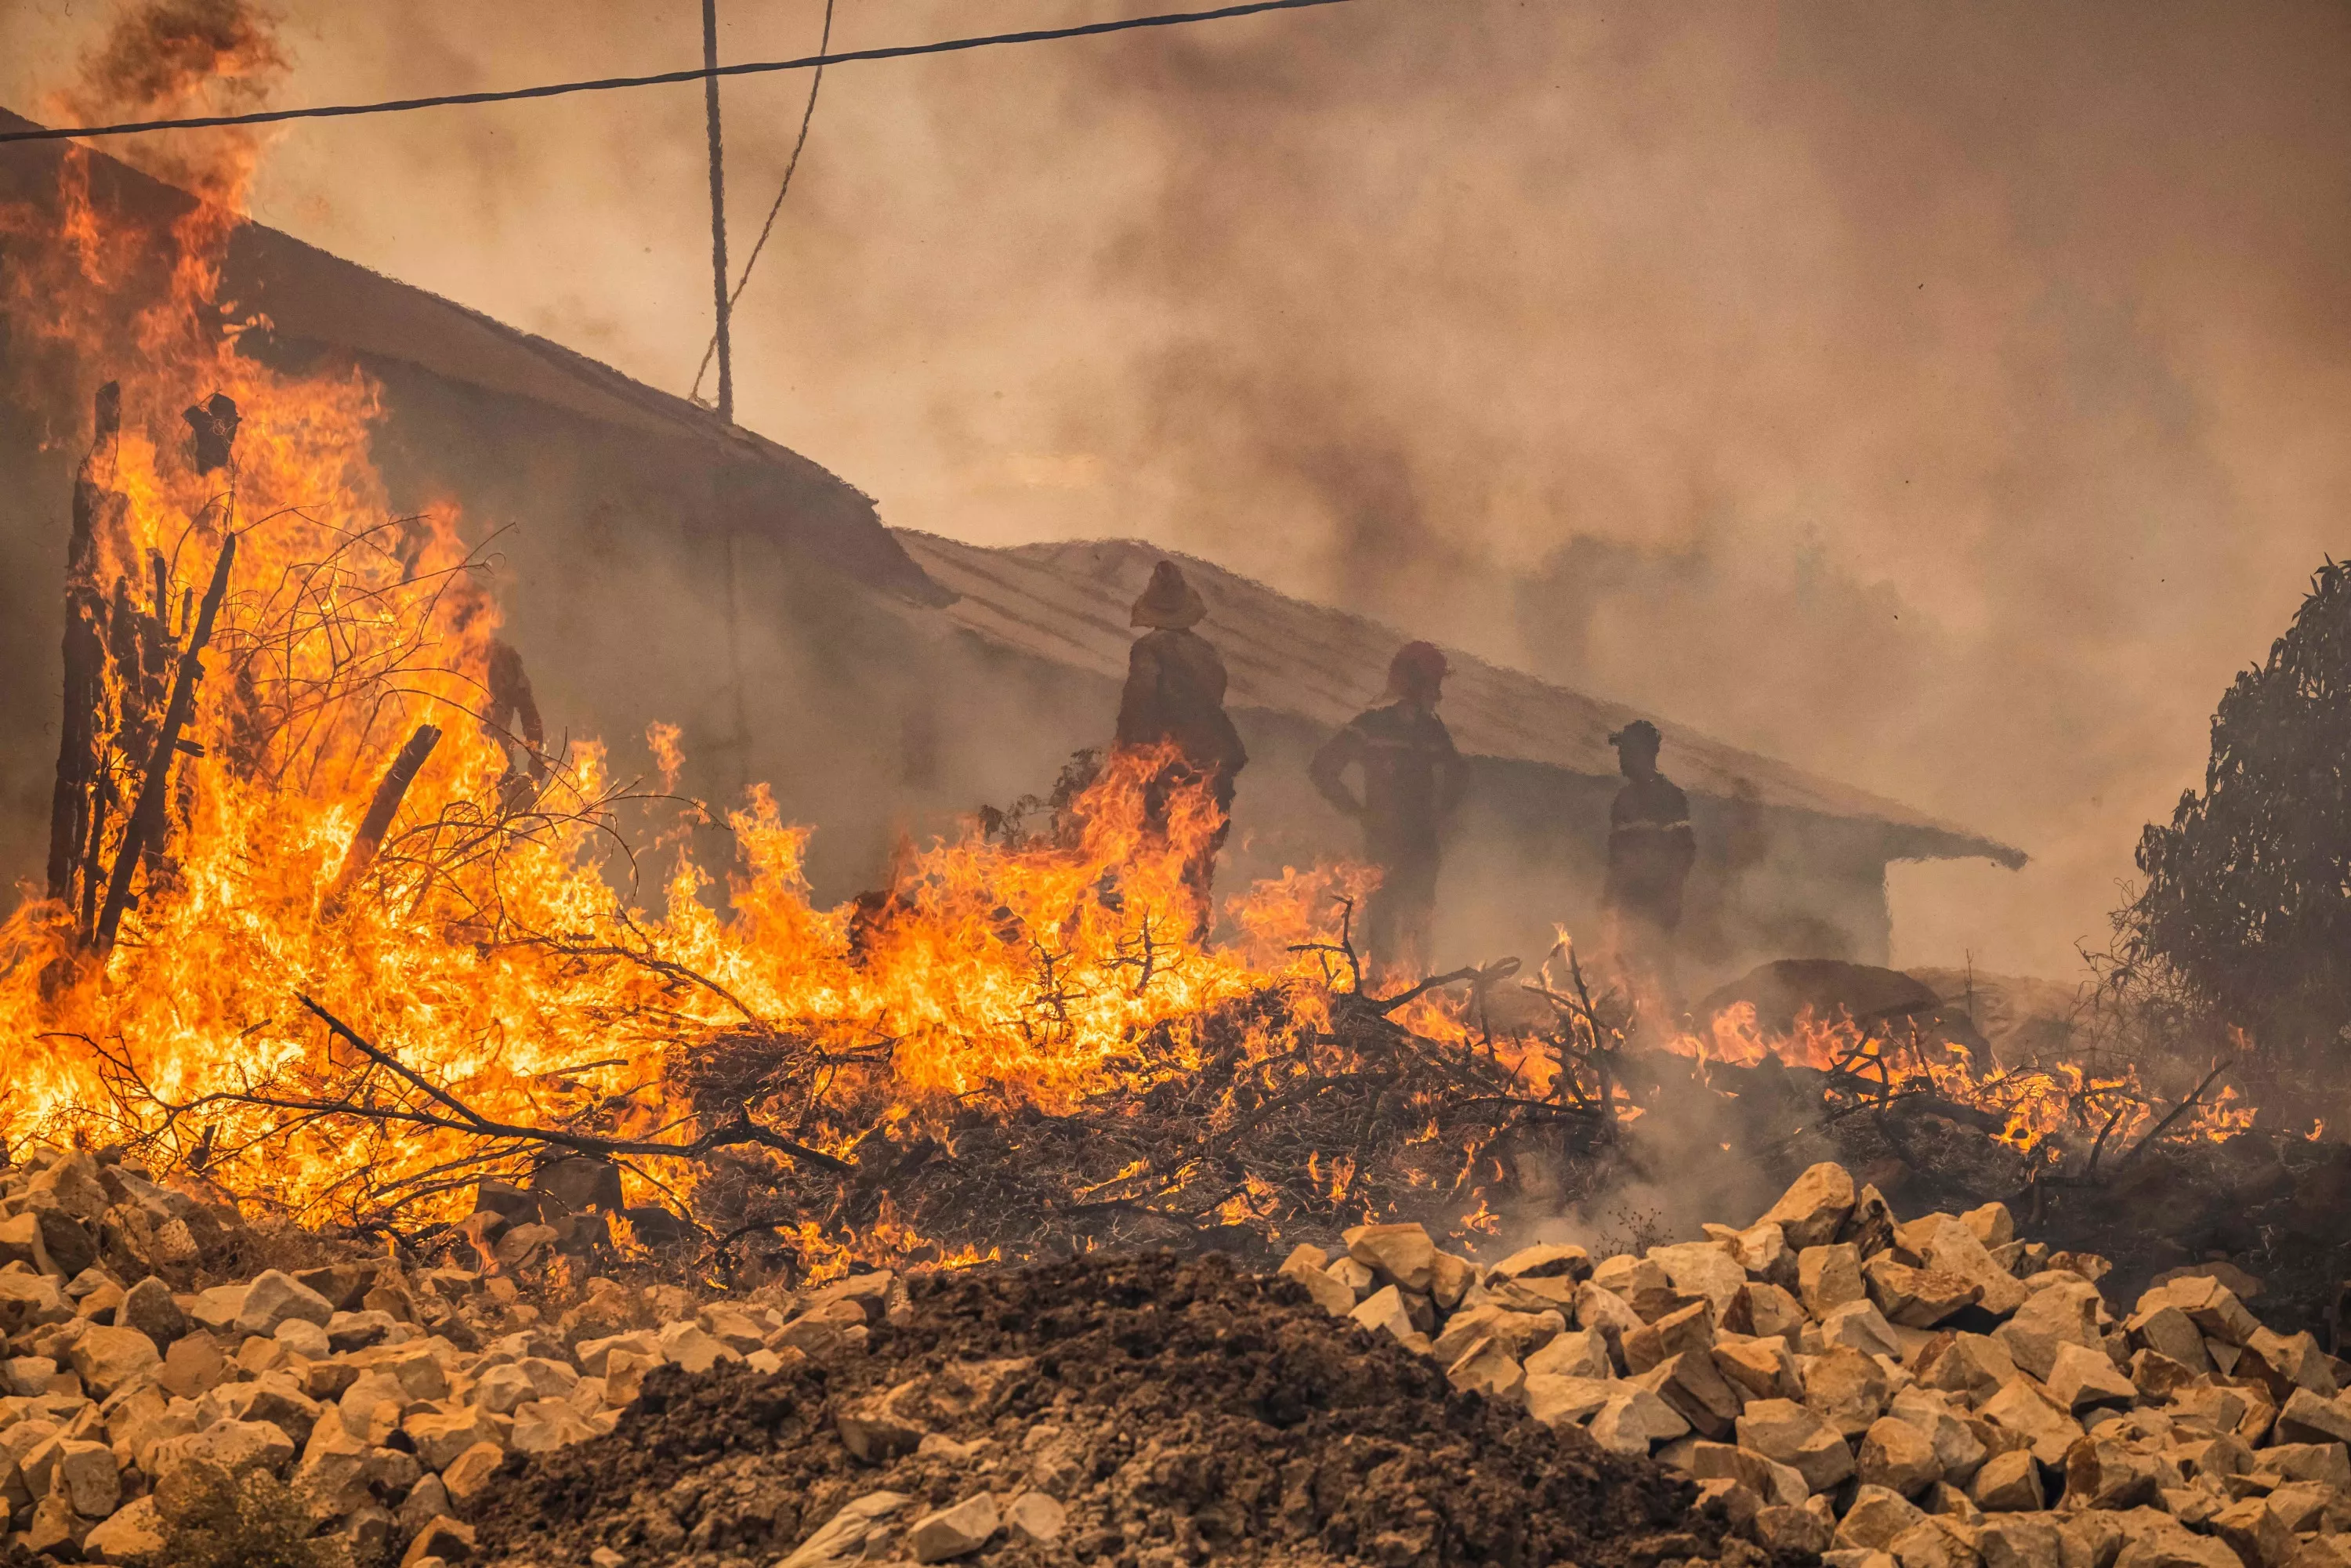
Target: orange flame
490 944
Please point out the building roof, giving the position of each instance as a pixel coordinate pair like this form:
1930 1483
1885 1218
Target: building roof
1069 601
312 297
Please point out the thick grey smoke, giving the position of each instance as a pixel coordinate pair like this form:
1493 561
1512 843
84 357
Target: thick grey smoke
1946 399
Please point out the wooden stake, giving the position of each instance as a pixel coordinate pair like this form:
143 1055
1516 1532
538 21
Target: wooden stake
389 793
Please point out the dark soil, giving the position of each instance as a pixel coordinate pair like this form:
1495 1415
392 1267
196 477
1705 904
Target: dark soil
1184 1411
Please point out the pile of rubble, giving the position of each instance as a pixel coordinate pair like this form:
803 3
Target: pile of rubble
1929 1394
1146 1410
1935 1394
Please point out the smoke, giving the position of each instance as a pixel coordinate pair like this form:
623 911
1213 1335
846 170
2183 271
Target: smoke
161 59
1943 399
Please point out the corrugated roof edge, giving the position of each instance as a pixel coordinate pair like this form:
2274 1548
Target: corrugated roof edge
1911 834
264 261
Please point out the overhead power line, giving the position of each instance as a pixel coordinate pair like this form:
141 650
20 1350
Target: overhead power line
662 78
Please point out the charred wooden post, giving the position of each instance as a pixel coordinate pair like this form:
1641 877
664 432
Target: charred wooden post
72 806
389 793
146 824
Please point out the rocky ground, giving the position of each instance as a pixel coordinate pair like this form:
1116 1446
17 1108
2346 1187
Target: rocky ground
1938 1393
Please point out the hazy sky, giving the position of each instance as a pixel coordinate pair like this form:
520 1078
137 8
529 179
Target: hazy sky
1944 398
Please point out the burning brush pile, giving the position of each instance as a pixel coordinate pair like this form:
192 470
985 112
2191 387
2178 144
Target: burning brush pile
397 1108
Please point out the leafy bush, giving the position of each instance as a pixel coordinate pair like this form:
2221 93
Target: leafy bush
2247 900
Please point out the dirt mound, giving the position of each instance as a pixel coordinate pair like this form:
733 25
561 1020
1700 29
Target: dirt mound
1181 1411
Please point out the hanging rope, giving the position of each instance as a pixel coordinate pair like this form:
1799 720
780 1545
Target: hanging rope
769 227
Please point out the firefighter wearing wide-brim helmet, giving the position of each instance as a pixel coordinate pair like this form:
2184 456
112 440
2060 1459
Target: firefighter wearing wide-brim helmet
1174 696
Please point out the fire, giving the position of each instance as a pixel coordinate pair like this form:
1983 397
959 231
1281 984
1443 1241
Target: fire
2114 1108
488 937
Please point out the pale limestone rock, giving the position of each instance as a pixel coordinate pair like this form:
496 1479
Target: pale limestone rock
1521 1333
442 1431
2080 1378
1036 1516
272 1298
1545 1261
1767 1311
2214 1309
593 1354
1876 1517
2152 1539
2307 1418
1814 1206
1704 1269
735 1327
1974 1366
2254 1531
840 1536
1691 1328
1696 1390
1385 1309
1450 1279
1488 1368
470 1471
958 1531
1761 1368
1917 1298
1775 1483
1327 1292
1935 1542
542 1425
192 1366
1580 1353
2019 1408
688 1345
236 1447
2284 1362
1632 1422
1949 1246
1858 1325
2169 1331
1829 1276
1796 1436
2018 1539
74 1182
1599 1308
2104 1473
333 1473
88 1473
1847 1388
133 1534
1958 1449
1897 1455
276 1397
1558 1401
1784 1527
2059 1314
1761 1250
1401 1254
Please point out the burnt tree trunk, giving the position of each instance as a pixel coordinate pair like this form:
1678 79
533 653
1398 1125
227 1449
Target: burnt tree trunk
146 825
75 806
